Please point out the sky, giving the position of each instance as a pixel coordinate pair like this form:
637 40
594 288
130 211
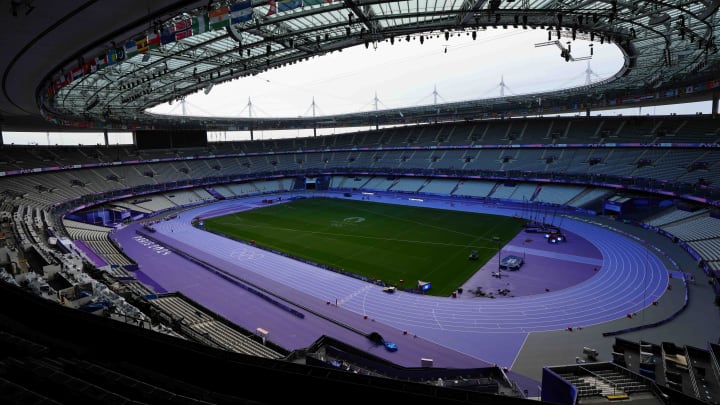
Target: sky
384 75
407 74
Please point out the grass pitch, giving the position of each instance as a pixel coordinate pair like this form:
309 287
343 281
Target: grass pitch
379 241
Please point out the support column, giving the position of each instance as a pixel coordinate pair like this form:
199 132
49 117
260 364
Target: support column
106 137
715 98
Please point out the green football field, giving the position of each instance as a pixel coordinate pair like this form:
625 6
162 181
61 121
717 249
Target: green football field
379 241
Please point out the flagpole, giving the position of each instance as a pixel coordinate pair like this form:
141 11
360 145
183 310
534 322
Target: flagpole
314 122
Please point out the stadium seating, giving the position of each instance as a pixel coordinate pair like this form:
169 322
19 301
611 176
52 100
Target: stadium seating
668 171
480 165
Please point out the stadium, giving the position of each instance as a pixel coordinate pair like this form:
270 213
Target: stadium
509 250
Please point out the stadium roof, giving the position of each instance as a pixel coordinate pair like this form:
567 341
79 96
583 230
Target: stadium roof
96 64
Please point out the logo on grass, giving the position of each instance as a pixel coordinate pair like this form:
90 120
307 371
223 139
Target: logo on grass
349 221
353 220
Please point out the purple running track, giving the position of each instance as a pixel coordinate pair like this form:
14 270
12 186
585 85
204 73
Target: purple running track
486 330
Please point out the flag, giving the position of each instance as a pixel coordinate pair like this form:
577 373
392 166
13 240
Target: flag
200 24
220 17
142 44
89 67
52 89
101 61
111 56
278 6
285 5
167 35
77 72
183 29
153 40
241 11
316 2
130 49
120 54
63 80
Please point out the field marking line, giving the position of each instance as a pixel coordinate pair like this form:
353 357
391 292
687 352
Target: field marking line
517 353
355 294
